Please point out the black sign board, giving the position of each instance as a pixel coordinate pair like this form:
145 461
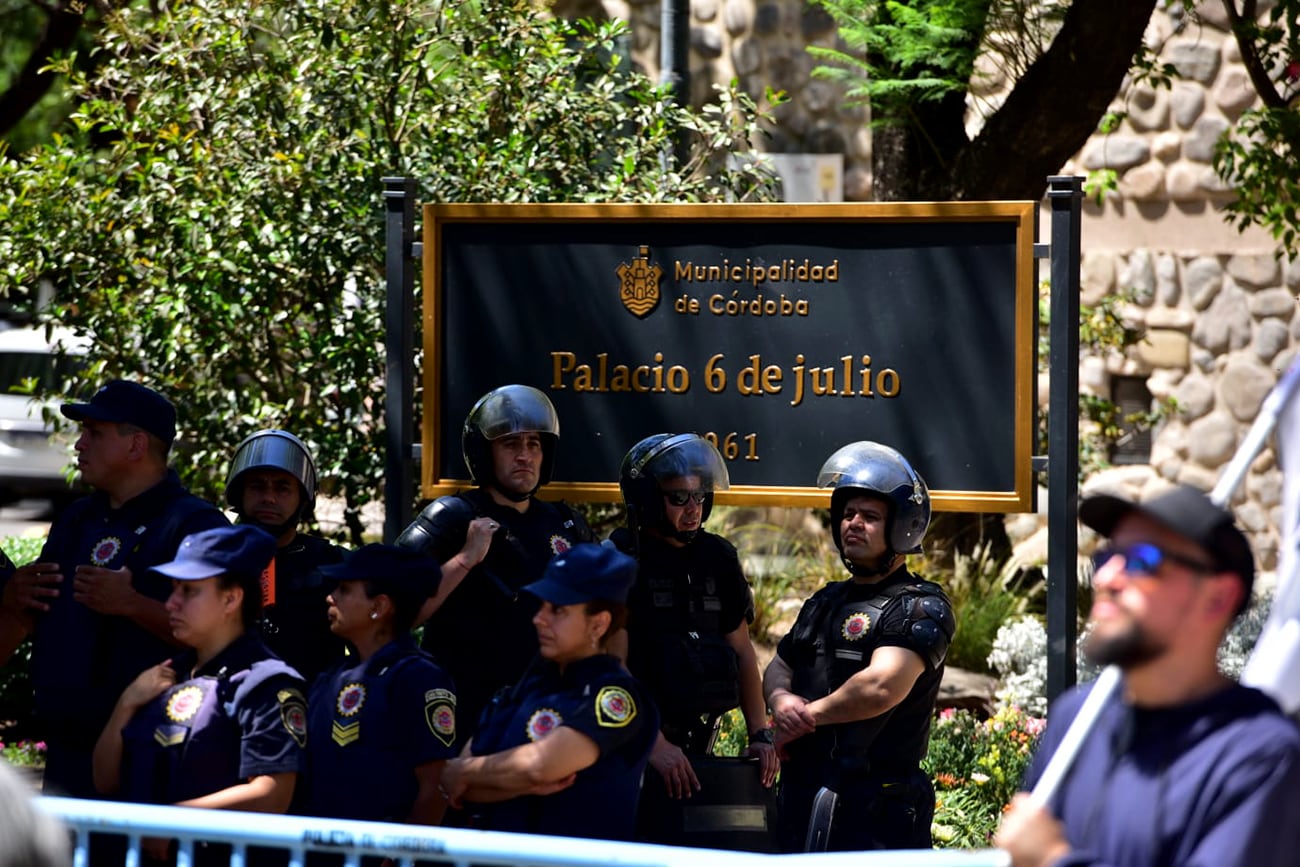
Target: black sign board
780 331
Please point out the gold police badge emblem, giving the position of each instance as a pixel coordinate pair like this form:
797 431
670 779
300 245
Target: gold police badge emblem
855 625
184 704
542 723
105 550
350 699
639 284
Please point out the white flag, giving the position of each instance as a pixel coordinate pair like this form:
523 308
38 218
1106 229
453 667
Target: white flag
1274 664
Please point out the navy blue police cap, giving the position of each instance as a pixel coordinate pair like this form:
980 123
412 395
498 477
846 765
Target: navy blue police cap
128 402
390 570
243 550
587 572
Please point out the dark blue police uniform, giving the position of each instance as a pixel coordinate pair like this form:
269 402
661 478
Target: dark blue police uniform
596 697
483 634
82 660
296 627
241 715
370 724
885 800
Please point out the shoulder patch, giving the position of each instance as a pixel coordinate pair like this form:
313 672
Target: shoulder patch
615 707
440 714
293 713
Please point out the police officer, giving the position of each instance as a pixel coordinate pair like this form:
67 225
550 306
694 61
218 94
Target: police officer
223 724
689 611
491 541
853 685
381 724
272 485
564 750
95 605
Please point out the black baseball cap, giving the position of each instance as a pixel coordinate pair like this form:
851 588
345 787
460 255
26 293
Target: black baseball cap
587 572
242 550
123 401
1188 512
396 572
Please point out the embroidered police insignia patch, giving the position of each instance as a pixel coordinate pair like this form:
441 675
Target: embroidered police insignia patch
559 544
542 723
350 700
855 626
184 704
614 707
293 713
440 714
105 550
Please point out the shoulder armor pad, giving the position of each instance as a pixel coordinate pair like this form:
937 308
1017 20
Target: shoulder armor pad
931 623
926 588
444 517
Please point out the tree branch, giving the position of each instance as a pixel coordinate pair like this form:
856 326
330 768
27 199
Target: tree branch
32 83
1056 105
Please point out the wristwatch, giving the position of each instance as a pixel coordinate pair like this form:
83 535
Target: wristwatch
762 736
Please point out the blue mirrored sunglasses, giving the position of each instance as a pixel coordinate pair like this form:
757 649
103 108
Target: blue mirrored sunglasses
679 498
1145 559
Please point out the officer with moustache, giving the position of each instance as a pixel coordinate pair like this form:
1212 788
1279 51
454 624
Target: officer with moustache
492 541
272 485
92 600
853 685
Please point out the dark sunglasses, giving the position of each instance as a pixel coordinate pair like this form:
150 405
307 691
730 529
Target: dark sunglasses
1146 559
679 498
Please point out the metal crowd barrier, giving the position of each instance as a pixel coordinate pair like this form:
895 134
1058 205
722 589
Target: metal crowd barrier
406 844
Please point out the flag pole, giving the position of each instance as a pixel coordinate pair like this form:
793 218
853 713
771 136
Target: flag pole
1108 681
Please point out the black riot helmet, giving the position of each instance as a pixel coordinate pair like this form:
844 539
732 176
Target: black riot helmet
659 458
273 450
875 469
510 409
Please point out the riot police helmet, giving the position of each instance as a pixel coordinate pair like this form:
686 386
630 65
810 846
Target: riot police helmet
503 412
871 468
274 450
655 460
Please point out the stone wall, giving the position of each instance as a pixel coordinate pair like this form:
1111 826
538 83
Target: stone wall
1218 307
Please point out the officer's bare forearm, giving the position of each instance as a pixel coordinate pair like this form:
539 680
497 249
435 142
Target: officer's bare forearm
752 702
453 572
106 760
874 690
429 805
533 768
776 680
266 793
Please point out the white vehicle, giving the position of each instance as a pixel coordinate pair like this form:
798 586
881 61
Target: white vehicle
35 462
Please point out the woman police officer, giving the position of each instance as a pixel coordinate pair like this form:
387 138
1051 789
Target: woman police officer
563 751
382 722
223 724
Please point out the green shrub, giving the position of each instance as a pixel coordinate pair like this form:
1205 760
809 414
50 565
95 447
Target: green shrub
976 766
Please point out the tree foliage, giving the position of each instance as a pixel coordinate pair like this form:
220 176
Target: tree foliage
1260 158
213 216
